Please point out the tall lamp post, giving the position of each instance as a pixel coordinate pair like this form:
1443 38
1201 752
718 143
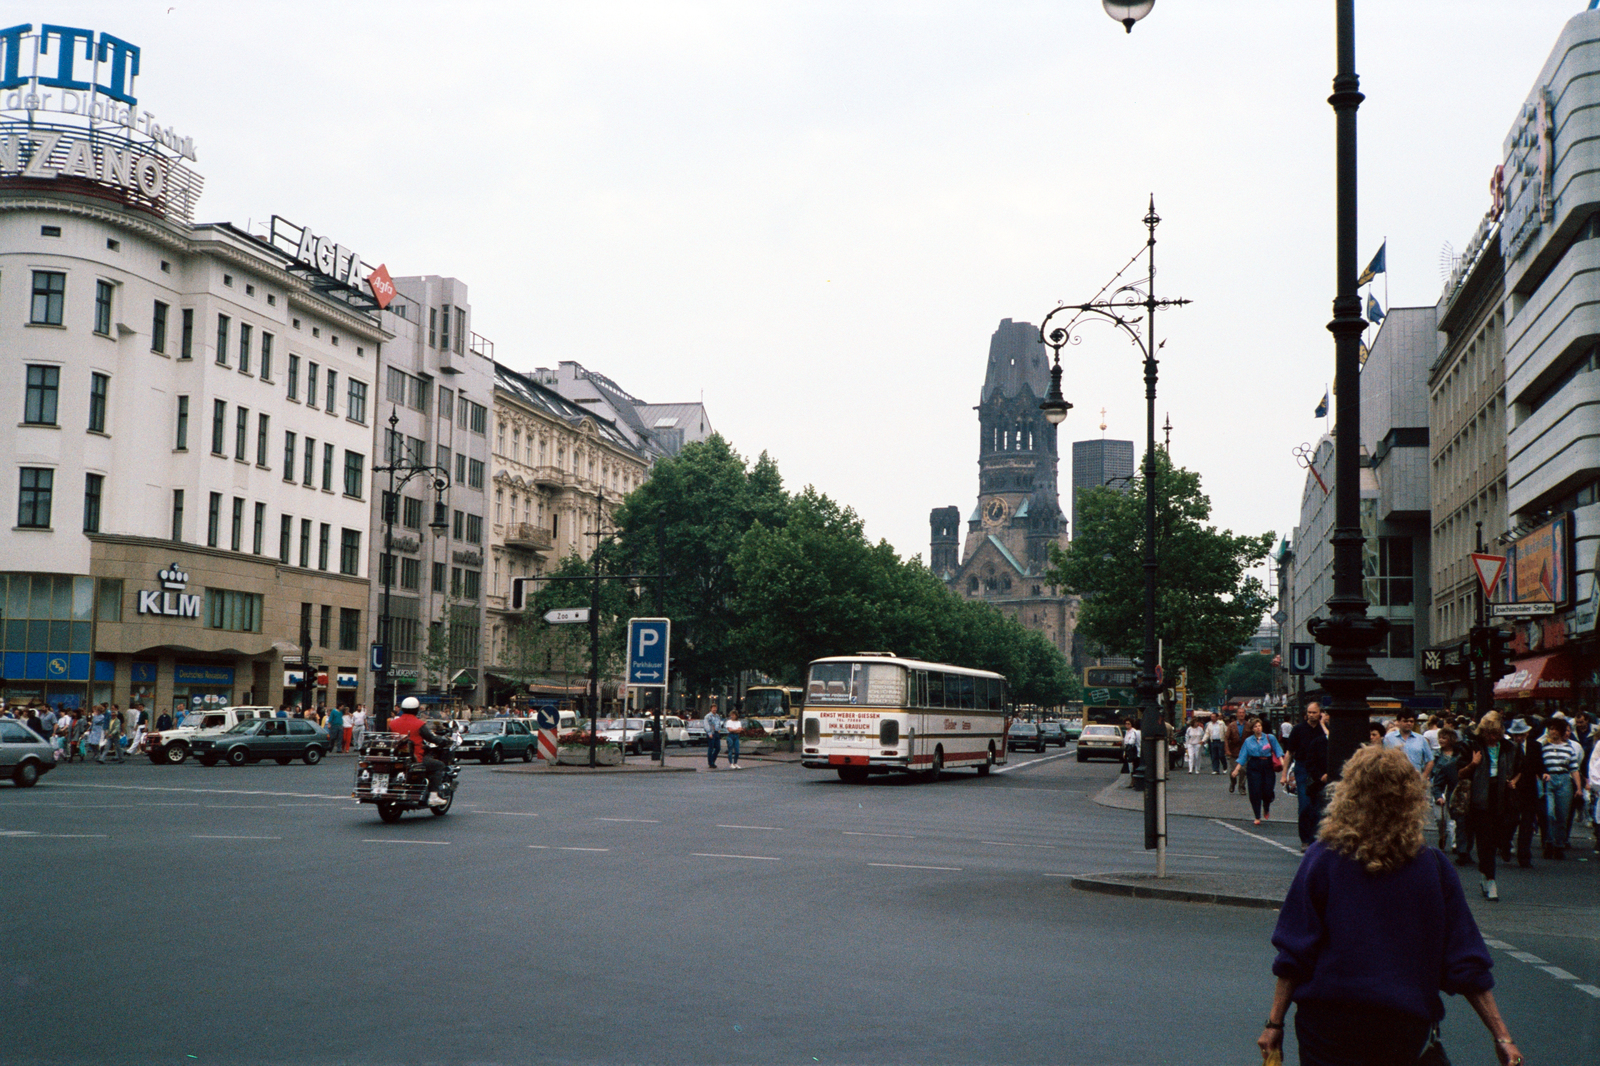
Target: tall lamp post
401 470
1129 298
1348 633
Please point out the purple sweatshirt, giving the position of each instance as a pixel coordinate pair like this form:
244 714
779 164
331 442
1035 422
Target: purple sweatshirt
1393 940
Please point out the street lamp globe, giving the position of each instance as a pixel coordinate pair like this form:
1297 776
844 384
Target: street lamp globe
1128 12
1055 405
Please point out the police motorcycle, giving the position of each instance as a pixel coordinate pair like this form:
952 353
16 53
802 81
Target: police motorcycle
388 775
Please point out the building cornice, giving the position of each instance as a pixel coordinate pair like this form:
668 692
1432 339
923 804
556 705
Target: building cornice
163 545
144 226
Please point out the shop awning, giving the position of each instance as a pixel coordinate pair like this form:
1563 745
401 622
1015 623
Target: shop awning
1546 677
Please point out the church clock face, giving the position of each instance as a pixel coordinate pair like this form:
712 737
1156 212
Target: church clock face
994 512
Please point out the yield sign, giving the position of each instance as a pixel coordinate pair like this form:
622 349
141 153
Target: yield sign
1489 568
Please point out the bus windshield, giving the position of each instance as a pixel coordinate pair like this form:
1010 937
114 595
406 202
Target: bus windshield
764 703
874 684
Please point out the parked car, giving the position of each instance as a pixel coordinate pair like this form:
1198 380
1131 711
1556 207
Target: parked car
1073 727
173 745
492 740
1025 735
638 735
281 739
695 731
1100 742
1054 733
24 754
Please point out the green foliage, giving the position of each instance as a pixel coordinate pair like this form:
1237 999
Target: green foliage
536 646
1248 675
1207 604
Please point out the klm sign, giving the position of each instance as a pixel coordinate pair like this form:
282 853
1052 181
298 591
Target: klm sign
170 599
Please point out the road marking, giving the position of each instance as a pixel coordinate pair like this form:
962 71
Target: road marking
1257 836
767 828
439 842
238 807
1501 944
210 791
708 855
651 821
907 866
1533 960
896 836
582 849
1036 762
1559 974
1591 989
1058 875
1526 956
514 814
201 836
1004 844
54 836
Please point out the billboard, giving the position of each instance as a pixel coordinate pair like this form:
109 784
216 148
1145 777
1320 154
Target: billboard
1539 567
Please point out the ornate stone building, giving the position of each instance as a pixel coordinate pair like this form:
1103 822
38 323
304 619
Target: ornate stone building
1018 513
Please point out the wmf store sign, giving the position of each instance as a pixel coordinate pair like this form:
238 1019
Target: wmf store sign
68 115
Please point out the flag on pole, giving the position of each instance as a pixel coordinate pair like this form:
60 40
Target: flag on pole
1362 351
1375 267
1374 312
1322 408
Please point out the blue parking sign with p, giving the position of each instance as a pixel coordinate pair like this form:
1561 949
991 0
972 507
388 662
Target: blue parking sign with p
648 641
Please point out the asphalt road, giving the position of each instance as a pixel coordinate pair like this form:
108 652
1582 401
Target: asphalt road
179 915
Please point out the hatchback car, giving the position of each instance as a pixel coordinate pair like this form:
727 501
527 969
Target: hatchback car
1025 735
280 739
1054 733
492 740
24 754
1100 742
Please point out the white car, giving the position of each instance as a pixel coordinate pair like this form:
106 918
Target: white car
637 735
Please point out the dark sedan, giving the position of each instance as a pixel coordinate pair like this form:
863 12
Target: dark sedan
281 739
493 740
1025 735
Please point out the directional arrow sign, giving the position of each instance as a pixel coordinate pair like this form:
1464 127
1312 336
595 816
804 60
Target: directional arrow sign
1489 568
648 640
573 614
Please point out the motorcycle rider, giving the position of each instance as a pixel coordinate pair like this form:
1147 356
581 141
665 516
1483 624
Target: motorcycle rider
412 726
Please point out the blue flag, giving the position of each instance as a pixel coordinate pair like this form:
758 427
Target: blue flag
1322 408
1375 267
1374 312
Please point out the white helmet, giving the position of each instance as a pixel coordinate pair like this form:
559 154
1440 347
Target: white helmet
410 703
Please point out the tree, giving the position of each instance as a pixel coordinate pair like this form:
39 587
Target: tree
1207 603
1249 674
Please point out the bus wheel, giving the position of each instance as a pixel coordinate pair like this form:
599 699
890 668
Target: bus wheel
988 764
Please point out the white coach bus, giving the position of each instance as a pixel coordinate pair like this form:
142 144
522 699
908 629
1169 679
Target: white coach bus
877 713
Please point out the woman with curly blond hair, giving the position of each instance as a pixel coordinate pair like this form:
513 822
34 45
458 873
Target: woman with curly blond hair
1374 927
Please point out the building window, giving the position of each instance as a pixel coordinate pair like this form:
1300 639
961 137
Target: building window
219 426
239 612
186 341
499 505
385 568
327 467
455 581
102 308
474 529
213 519
444 327
311 384
349 628
333 390
182 442
310 461
244 347
263 421
99 389
395 389
223 324
324 624
446 401
411 513
177 516
474 474
305 543
266 357
350 551
410 573
461 469
241 432
442 457
356 410
421 394
324 533
470 582
294 376
433 325
259 530
236 530
93 485
439 575
288 455
33 502
49 291
44 386
354 473
458 525
285 534
158 328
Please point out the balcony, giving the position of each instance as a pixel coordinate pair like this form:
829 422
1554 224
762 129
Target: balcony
551 477
529 537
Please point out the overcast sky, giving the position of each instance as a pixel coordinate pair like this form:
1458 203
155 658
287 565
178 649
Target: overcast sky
813 215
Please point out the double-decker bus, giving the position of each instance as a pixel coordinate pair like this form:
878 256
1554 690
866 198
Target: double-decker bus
771 701
878 713
1110 694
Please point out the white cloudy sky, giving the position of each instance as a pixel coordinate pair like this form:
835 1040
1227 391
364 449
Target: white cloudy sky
813 214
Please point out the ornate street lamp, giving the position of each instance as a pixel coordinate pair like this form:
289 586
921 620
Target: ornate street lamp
1128 12
1130 298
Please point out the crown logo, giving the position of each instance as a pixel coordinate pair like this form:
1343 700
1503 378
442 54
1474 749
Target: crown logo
173 577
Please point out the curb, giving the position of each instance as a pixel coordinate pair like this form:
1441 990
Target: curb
1132 885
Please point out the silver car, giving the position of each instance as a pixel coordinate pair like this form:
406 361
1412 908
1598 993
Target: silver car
24 754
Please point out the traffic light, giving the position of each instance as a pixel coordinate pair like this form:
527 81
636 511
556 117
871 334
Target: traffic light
1499 653
1481 644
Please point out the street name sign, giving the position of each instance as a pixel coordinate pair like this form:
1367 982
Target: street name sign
571 614
648 641
1520 610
